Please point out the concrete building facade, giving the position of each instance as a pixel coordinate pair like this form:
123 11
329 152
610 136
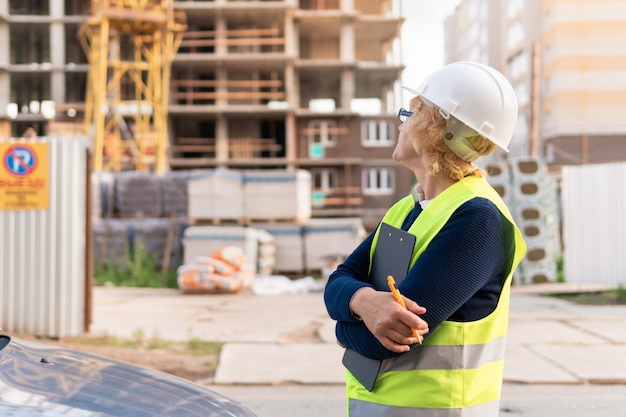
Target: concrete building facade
276 84
583 81
42 65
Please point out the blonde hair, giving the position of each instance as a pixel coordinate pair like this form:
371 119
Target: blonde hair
426 128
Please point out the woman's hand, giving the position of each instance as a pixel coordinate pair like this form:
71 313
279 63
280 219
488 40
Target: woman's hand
387 320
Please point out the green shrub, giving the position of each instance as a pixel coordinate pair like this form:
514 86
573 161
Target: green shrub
139 270
560 273
202 347
620 293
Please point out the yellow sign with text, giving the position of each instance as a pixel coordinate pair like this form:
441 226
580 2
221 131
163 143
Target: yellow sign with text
24 183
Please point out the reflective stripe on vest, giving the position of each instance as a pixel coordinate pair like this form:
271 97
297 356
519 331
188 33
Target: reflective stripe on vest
367 409
438 357
458 370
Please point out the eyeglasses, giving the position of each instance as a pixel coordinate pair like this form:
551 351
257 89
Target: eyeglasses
404 114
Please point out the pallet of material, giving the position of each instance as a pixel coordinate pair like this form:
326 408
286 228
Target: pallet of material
217 221
276 195
174 193
116 240
137 195
332 237
257 245
215 194
160 238
266 253
110 242
289 244
102 194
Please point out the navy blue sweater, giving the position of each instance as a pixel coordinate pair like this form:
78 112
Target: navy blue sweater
458 277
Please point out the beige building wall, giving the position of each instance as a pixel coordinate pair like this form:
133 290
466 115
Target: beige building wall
494 32
565 59
584 80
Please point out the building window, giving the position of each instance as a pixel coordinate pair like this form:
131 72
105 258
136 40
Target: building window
378 181
522 91
514 7
519 66
324 183
376 133
515 35
473 9
324 179
321 134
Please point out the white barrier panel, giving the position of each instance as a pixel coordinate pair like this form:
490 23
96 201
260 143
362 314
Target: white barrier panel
42 243
594 223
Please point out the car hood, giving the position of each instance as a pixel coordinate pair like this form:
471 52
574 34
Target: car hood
44 380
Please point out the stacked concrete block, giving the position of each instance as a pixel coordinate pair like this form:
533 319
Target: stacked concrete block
202 241
116 241
137 195
289 244
266 252
309 246
160 238
102 194
216 195
277 195
174 193
110 242
500 178
534 204
333 237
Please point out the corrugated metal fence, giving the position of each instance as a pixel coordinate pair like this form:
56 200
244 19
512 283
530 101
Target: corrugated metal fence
594 223
42 251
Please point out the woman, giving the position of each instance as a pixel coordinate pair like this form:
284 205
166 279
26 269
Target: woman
457 285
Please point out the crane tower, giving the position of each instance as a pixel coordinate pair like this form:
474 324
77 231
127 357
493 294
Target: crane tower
130 45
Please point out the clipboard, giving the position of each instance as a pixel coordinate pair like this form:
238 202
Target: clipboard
392 256
364 369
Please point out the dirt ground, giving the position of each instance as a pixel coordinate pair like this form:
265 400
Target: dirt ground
176 358
171 357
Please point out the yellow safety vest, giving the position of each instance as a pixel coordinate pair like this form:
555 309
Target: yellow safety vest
457 372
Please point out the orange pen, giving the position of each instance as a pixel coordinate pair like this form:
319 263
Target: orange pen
400 300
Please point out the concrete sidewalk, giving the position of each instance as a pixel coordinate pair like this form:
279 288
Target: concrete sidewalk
289 338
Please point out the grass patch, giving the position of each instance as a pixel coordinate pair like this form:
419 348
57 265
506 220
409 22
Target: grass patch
198 346
139 269
193 346
609 297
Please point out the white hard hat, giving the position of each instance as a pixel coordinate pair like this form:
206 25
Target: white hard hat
476 95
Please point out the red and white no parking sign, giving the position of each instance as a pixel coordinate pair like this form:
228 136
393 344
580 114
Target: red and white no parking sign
24 182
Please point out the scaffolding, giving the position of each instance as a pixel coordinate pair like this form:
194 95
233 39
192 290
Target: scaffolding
130 45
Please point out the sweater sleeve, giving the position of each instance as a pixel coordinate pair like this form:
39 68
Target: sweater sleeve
458 277
347 279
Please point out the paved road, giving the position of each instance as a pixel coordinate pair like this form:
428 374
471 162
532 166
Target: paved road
562 358
289 338
519 400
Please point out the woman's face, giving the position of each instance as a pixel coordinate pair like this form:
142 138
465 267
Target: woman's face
404 151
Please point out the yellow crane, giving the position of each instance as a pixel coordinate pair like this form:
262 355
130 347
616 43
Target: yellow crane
130 45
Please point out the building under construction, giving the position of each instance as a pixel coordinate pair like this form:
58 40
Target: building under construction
565 60
273 84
